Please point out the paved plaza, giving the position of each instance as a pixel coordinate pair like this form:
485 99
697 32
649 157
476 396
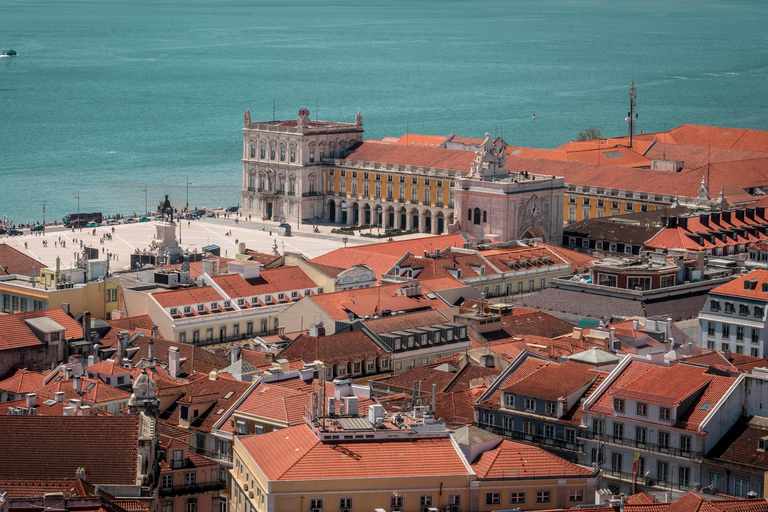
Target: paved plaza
194 235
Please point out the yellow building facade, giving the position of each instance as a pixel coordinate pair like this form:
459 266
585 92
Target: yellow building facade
19 293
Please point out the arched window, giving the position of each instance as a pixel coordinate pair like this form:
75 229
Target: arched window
477 215
485 217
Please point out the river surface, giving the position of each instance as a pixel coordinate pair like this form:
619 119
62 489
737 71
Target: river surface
107 98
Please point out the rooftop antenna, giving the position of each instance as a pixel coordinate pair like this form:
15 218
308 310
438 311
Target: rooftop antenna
665 136
406 130
631 116
273 111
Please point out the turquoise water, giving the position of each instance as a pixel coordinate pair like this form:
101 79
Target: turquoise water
107 97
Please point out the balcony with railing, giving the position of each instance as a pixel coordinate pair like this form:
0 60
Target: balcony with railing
218 456
650 481
313 193
195 488
576 446
645 446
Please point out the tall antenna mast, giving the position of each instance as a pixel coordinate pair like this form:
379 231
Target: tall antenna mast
631 116
273 111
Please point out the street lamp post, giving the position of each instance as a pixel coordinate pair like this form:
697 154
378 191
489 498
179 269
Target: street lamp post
79 224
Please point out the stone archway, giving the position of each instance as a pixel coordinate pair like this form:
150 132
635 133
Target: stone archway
367 217
332 210
440 219
344 213
533 232
403 218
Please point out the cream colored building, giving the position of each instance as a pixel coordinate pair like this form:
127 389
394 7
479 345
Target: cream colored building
282 172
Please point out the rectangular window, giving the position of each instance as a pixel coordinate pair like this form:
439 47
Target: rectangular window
739 333
530 404
508 422
552 408
345 503
293 154
549 431
684 480
516 497
664 440
454 499
755 335
509 399
492 498
662 471
282 154
543 496
640 435
311 156
716 480
396 502
576 495
741 488
315 504
642 409
425 500
729 307
664 413
618 431
711 328
685 443
618 405
726 331
263 152
570 435
616 461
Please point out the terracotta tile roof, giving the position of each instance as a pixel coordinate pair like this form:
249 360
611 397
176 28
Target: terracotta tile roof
399 322
665 385
21 382
15 333
262 257
332 349
193 358
534 323
13 261
413 139
698 156
296 454
368 301
526 368
720 137
187 296
735 288
606 151
510 460
93 391
130 323
426 374
740 363
274 280
578 261
692 502
383 256
107 368
696 413
34 487
553 381
455 408
211 395
740 444
396 154
54 447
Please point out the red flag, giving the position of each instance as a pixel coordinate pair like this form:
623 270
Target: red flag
635 470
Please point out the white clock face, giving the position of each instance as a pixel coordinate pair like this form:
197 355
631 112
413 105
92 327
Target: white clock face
534 206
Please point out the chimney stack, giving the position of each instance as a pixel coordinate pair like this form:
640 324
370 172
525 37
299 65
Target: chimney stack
31 400
174 362
77 384
635 324
86 325
151 350
313 330
154 331
59 396
234 353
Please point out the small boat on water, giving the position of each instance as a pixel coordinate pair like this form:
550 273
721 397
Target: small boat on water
9 53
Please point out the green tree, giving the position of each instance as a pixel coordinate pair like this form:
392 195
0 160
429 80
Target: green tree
589 134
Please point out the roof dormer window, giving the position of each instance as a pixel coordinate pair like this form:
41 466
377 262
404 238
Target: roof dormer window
227 304
200 308
174 312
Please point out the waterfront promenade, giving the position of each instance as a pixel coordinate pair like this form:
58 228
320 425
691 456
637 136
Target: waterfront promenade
195 234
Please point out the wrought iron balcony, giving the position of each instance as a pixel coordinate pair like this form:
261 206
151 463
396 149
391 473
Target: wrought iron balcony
645 446
576 446
196 488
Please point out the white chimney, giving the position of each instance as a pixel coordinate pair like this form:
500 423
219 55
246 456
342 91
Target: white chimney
635 324
611 336
213 375
234 353
313 330
173 362
151 350
77 384
68 411
118 357
68 372
59 396
154 331
31 400
75 403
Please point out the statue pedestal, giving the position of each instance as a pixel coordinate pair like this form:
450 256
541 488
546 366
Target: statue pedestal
166 235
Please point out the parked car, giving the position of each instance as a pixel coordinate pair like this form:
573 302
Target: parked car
232 209
112 222
143 218
129 220
198 213
38 227
211 214
92 225
3 231
15 232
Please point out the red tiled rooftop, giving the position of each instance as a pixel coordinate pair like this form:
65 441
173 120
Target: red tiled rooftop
665 385
396 154
13 261
296 454
15 333
510 460
554 381
736 287
417 140
332 349
21 382
55 447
